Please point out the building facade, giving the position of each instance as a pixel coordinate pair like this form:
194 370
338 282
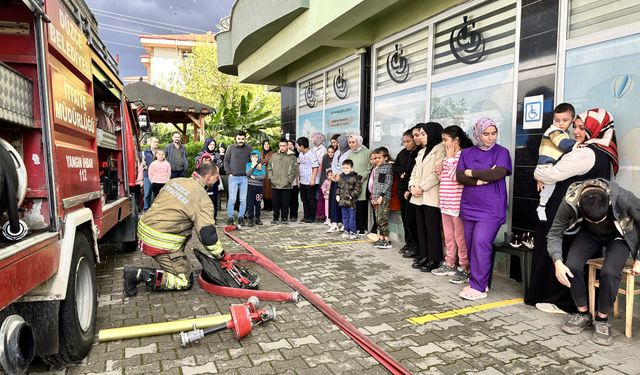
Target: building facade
379 67
165 54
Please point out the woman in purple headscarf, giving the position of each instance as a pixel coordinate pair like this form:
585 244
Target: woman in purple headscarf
483 207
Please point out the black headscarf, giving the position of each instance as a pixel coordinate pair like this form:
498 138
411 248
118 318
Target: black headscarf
434 135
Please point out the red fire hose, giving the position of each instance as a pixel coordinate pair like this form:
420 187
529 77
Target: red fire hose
365 343
246 293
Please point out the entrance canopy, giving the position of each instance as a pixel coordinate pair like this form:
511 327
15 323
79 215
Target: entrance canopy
165 106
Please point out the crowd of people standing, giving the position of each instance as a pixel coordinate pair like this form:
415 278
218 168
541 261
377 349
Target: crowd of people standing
450 188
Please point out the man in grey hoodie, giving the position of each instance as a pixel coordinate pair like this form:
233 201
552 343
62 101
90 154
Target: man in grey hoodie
235 162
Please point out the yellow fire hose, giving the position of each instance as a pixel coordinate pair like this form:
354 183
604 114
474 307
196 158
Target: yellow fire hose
161 328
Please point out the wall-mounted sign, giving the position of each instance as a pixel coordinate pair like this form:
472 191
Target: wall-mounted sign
533 110
397 66
467 44
310 96
340 85
73 107
479 35
67 38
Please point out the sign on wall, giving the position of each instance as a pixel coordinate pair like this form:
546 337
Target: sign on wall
403 60
475 35
343 83
311 93
533 110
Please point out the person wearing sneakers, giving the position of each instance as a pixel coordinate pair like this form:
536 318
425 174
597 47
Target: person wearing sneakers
349 186
282 170
256 174
380 181
482 170
235 161
402 167
602 215
454 139
325 189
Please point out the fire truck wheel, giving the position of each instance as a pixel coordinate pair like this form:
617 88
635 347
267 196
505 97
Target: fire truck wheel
78 310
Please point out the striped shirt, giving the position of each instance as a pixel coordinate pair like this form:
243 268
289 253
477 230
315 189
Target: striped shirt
555 142
306 162
450 189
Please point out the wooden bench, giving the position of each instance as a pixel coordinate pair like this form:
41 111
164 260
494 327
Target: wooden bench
524 254
629 292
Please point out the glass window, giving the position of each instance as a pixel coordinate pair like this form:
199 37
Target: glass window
309 123
462 100
604 75
396 112
588 16
344 119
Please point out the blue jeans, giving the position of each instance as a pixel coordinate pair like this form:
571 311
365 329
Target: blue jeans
148 192
349 219
235 183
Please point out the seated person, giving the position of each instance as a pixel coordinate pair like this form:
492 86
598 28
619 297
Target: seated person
601 214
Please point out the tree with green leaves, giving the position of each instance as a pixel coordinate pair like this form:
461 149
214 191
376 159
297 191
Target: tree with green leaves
244 113
239 106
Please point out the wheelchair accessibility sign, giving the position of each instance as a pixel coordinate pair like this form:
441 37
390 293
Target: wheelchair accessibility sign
533 109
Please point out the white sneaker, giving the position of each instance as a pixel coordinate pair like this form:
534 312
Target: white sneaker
542 213
549 308
344 235
352 236
327 222
332 228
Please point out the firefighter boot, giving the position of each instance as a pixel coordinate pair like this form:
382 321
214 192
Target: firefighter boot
134 276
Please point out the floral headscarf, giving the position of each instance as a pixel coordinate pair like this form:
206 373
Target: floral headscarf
598 126
478 128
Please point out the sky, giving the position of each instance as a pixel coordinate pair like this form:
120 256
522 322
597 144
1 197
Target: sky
121 21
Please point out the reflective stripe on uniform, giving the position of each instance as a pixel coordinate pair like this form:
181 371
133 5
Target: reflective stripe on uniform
167 241
215 249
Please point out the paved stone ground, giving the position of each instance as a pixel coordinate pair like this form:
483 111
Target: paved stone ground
375 289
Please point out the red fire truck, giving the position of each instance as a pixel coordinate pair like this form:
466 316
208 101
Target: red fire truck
68 167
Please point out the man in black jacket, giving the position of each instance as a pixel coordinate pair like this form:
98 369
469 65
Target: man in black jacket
601 214
235 164
402 168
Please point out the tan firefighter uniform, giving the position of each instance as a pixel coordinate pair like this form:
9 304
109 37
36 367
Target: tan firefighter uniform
164 230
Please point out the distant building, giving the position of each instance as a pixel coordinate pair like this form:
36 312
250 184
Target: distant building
164 54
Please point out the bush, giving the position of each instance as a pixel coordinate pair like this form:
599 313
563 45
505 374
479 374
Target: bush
193 149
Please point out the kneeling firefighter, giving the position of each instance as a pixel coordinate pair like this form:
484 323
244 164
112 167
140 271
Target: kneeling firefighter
165 229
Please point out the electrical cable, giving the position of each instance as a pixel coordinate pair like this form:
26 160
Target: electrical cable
120 31
123 44
148 22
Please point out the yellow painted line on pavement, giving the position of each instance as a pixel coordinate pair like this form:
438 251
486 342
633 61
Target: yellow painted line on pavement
326 244
464 311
